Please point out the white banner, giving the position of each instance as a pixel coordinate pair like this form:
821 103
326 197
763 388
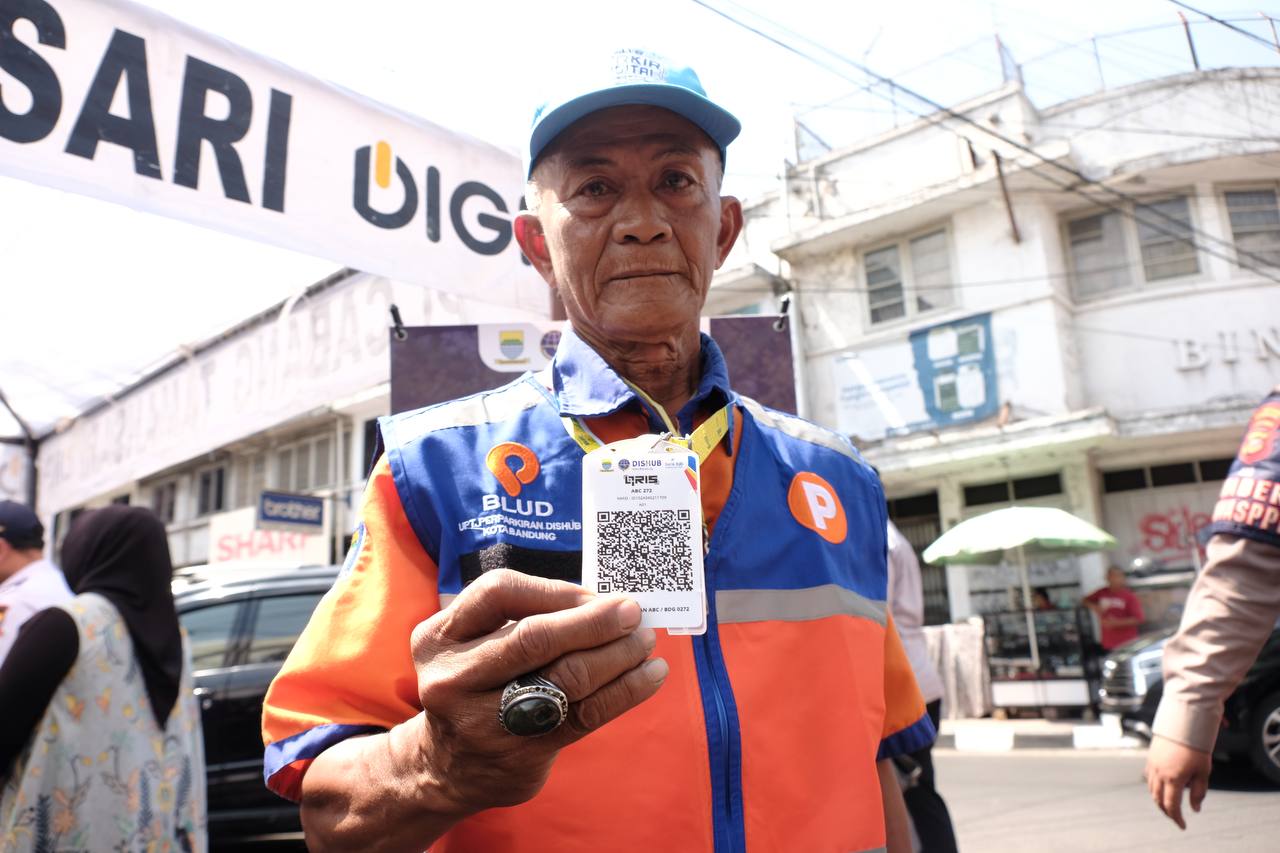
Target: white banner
13 473
116 101
235 538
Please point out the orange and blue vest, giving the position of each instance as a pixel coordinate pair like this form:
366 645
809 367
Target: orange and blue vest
765 734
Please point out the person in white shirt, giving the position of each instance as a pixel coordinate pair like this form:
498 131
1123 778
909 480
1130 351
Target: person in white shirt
925 805
28 582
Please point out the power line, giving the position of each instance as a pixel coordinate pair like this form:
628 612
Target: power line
1242 31
1184 230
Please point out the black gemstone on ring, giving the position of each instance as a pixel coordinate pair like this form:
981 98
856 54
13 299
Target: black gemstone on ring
532 706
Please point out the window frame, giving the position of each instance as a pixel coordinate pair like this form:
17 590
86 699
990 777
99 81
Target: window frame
220 489
170 483
309 445
1220 193
1133 263
907 276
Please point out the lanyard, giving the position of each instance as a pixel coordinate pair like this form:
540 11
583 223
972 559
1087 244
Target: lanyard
702 442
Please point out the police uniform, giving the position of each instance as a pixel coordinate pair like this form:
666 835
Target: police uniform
1235 601
766 733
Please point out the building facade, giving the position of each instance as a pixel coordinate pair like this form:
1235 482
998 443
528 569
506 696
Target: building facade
1075 306
285 401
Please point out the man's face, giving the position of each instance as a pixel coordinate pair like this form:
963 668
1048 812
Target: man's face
1115 578
630 224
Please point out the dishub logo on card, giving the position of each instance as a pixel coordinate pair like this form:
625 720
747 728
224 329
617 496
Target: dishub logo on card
514 466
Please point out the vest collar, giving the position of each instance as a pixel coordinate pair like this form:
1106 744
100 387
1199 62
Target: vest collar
585 385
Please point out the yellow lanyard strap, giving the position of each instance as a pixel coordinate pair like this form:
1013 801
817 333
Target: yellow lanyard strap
702 442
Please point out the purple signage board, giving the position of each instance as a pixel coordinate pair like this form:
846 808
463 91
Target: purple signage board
434 364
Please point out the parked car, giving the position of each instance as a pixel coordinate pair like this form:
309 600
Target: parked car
1132 683
241 621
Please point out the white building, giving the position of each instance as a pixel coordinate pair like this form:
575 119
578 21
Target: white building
286 400
989 329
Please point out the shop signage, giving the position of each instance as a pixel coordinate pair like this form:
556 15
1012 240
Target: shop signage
285 511
941 376
234 537
116 101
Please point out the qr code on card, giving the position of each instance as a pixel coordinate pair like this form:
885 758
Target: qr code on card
644 551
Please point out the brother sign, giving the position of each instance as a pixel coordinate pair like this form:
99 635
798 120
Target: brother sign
299 512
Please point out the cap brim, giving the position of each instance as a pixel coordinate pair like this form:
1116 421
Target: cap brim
715 121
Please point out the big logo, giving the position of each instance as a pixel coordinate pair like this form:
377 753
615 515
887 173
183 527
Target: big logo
512 479
1260 438
813 503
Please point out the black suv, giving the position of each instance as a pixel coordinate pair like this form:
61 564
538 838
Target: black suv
1132 683
242 621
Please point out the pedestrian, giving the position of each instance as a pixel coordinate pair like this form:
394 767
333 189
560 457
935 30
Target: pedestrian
1118 610
28 582
1230 612
99 730
925 805
1040 600
773 729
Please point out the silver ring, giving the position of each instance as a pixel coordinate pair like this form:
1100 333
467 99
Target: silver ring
532 706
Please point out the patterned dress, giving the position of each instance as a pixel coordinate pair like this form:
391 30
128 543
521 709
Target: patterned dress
99 774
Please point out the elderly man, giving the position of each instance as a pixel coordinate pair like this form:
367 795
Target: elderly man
771 730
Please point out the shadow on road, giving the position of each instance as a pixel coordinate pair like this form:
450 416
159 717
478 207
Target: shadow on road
1240 776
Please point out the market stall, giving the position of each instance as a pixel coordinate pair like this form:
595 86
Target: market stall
1038 658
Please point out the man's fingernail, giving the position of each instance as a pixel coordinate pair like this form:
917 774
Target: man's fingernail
648 638
628 615
656 669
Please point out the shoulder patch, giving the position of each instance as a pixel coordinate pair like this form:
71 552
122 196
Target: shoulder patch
487 407
796 427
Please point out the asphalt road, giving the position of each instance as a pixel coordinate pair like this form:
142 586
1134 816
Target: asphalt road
1081 800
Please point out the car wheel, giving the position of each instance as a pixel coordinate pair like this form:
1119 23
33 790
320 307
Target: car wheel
1264 743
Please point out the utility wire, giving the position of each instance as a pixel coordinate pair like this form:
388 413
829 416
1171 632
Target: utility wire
1184 231
1241 30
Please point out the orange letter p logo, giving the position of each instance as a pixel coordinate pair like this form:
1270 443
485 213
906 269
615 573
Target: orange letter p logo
814 504
498 460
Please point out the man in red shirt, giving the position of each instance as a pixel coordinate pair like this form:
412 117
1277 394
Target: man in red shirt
1117 608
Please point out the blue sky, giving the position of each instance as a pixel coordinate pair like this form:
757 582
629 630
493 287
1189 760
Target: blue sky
139 286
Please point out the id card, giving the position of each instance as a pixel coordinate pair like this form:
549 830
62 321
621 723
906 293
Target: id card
642 530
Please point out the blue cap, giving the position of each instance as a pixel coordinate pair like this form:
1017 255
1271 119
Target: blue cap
20 526
632 76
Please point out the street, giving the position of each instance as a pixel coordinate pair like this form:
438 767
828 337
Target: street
1074 800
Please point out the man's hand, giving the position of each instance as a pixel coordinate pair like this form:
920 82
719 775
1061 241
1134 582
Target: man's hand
1171 767
465 654
403 789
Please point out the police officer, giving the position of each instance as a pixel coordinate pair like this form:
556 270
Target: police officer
28 582
1230 612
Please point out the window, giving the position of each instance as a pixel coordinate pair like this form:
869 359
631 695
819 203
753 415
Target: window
1127 480
164 500
280 620
120 500
210 491
1022 489
1097 254
1255 224
251 479
909 277
306 465
1103 246
1167 474
1164 237
209 631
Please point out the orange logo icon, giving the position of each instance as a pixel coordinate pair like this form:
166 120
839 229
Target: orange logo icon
510 478
1260 437
814 504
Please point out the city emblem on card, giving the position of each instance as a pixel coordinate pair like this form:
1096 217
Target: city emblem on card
511 342
1260 438
513 465
549 343
814 504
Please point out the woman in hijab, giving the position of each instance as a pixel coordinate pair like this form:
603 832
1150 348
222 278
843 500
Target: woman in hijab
100 744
